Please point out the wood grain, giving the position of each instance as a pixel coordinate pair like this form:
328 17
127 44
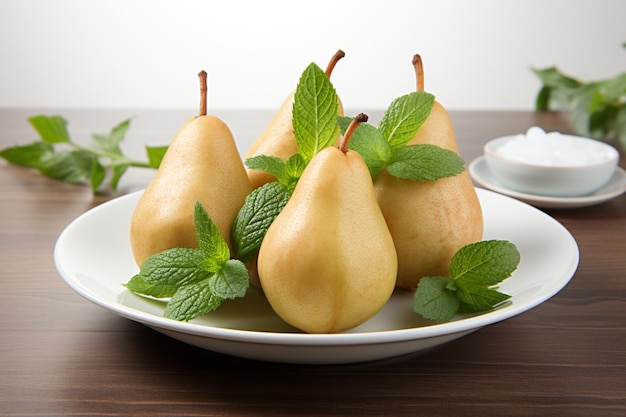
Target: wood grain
62 355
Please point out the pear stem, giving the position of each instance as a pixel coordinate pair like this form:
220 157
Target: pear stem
345 141
419 71
333 61
203 93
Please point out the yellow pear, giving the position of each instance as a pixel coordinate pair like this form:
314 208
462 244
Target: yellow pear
202 163
429 220
277 139
327 262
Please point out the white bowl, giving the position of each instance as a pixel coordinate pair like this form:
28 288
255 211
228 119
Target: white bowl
551 164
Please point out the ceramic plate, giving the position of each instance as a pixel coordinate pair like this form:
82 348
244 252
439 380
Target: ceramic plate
616 186
94 258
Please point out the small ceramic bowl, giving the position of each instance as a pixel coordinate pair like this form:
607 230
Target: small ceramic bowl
551 164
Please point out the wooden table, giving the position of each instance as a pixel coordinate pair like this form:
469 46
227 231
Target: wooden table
62 355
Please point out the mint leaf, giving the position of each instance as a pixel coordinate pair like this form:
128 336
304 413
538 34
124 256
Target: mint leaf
315 110
294 167
210 241
98 173
259 210
231 281
69 166
118 171
434 300
163 273
475 298
404 116
111 142
424 163
270 164
51 129
484 263
27 155
369 143
192 301
155 155
474 270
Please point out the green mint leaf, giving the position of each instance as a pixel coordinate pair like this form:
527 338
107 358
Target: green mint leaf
155 155
404 116
294 167
231 281
259 210
315 111
98 173
192 301
434 300
118 171
424 163
111 142
369 143
210 240
484 263
553 77
163 273
27 155
475 298
69 166
542 102
270 164
51 129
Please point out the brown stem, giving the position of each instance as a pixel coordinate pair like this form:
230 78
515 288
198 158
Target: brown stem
360 118
333 61
419 71
203 93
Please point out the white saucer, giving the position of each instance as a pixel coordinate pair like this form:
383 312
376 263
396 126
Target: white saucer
616 186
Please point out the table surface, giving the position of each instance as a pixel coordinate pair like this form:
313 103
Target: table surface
62 355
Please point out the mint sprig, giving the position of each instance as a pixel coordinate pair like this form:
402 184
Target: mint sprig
385 146
57 156
196 280
598 108
475 270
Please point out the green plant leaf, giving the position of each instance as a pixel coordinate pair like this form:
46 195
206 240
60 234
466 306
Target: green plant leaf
192 301
434 300
424 163
27 155
155 155
163 273
475 298
231 281
51 129
111 142
486 262
259 210
404 116
270 164
315 111
69 166
210 240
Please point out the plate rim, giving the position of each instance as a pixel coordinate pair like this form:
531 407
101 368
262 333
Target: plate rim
547 201
304 339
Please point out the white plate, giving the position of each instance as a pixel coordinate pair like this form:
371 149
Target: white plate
94 258
616 186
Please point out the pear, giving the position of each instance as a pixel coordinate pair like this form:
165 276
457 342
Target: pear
202 163
327 262
277 139
430 220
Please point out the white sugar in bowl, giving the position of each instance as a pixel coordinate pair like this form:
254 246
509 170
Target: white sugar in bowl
551 164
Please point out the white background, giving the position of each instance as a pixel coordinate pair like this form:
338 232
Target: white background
120 54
